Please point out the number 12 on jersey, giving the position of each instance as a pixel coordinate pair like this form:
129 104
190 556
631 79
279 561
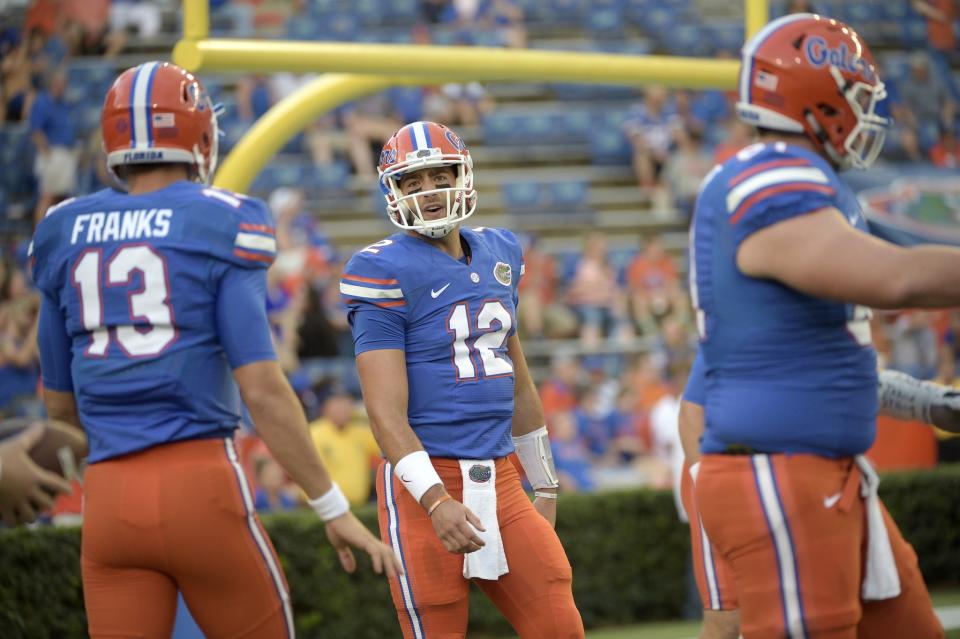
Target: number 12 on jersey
150 305
486 342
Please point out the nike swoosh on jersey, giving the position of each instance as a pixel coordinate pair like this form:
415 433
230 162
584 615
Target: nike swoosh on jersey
829 502
435 294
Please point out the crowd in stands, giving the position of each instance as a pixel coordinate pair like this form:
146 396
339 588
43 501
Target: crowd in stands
616 316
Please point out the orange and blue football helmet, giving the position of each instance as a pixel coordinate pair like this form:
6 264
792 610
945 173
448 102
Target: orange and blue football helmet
160 113
422 145
808 74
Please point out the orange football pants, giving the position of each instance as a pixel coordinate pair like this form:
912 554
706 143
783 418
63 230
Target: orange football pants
535 596
711 572
792 529
178 516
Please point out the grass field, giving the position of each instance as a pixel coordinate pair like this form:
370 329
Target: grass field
689 629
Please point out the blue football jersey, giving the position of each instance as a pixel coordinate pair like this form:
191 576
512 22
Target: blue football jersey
452 319
148 303
785 371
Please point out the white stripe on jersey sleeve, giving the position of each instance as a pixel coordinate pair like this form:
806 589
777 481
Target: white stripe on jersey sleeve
748 187
372 293
256 242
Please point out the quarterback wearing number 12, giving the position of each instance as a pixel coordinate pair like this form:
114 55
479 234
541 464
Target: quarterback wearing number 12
433 314
153 316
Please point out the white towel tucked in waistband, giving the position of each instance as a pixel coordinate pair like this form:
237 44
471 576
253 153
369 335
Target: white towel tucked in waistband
880 578
480 496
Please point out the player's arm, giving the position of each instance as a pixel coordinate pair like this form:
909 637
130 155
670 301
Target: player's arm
530 435
822 255
691 424
383 378
245 335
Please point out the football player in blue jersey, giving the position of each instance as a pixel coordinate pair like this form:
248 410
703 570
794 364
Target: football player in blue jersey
899 395
153 314
782 276
446 385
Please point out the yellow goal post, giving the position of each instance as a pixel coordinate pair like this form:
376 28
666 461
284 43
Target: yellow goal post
354 70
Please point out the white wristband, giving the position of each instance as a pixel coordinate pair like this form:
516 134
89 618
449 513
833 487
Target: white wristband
417 474
331 504
544 494
535 455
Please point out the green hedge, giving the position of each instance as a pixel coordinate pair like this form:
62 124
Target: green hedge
627 549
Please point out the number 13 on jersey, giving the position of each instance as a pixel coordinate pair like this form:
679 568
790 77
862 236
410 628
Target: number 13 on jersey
149 307
486 341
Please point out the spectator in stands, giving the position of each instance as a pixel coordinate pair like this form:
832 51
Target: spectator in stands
434 11
929 106
141 17
502 17
570 454
940 15
686 167
559 392
274 492
913 344
736 135
673 348
946 153
254 97
18 341
540 314
597 296
16 85
346 445
369 122
650 127
469 101
53 135
87 30
653 286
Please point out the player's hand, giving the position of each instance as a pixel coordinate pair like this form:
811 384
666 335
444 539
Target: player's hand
346 532
25 488
457 526
945 411
547 508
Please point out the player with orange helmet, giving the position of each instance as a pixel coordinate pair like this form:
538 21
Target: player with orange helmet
446 385
782 276
153 326
415 147
158 113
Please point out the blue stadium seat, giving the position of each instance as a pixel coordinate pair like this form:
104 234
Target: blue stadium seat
913 33
538 203
606 23
609 147
329 179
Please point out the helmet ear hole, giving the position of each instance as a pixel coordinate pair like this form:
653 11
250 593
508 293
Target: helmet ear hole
205 142
184 93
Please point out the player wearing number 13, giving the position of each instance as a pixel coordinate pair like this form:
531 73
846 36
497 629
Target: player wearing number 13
445 382
153 315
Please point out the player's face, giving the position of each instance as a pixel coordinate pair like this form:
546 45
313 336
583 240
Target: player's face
433 206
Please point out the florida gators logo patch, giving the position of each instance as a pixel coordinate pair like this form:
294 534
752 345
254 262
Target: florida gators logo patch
480 473
503 273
